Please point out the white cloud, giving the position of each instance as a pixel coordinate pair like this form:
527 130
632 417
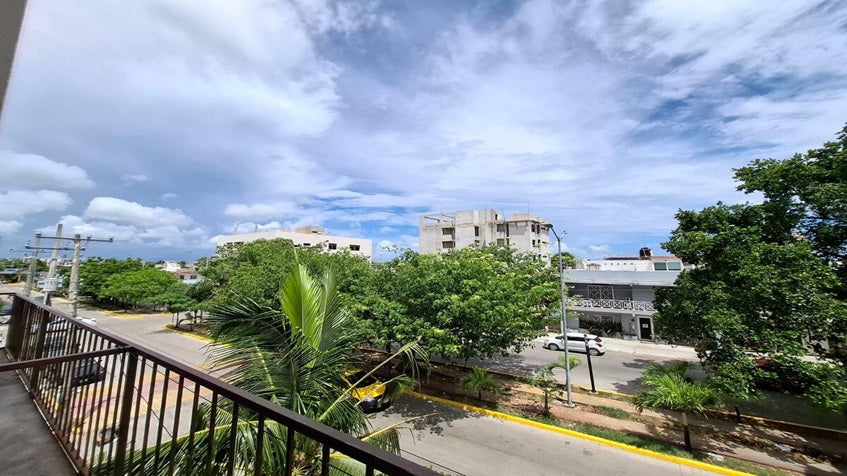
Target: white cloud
25 171
15 204
116 209
259 211
157 235
386 229
168 196
600 250
8 227
132 179
249 227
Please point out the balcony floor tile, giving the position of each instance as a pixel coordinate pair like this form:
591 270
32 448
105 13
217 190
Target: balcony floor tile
27 445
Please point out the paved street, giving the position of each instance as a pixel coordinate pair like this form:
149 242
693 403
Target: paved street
454 441
618 370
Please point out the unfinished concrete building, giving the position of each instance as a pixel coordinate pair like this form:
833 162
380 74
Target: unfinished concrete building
446 231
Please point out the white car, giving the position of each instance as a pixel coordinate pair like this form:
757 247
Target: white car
576 343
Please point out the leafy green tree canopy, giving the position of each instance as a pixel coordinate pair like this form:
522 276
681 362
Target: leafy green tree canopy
472 302
142 286
94 272
765 279
254 270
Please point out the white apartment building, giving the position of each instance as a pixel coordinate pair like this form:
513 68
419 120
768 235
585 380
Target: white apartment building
619 292
306 236
446 231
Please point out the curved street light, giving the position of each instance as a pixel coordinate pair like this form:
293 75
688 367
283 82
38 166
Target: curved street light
564 319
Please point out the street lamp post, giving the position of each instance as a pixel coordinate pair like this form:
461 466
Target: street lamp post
564 320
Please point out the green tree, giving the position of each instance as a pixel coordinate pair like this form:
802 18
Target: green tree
480 381
142 286
467 303
768 278
544 380
95 271
253 270
754 288
295 355
670 390
568 260
807 194
562 364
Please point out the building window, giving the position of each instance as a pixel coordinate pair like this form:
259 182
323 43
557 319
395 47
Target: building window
674 266
307 244
355 247
333 246
501 227
600 292
447 231
448 245
476 231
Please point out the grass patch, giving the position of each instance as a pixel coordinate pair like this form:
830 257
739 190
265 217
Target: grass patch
646 443
614 412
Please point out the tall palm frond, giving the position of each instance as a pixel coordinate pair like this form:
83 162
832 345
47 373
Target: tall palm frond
294 358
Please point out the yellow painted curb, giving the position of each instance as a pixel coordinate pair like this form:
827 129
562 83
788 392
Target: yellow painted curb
121 315
576 434
189 334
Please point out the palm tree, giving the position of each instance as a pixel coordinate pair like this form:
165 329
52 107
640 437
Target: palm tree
295 357
480 381
672 391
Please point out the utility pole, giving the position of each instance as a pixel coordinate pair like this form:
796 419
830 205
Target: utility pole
51 274
564 320
73 286
32 262
57 243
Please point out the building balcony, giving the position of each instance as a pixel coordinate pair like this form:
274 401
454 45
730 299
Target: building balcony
611 304
115 407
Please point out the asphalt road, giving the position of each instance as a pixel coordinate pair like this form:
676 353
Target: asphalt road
618 370
459 442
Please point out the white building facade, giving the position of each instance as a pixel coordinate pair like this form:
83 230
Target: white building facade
307 236
446 231
616 294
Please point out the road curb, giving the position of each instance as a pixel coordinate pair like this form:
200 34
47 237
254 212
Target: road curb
563 431
126 316
189 334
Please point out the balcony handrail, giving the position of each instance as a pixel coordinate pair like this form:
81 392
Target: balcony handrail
624 304
372 457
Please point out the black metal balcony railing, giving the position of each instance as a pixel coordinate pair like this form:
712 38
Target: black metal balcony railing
118 408
622 304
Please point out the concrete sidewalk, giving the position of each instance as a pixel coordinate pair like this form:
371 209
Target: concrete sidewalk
639 347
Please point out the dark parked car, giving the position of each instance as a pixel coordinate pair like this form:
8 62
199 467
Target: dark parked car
88 371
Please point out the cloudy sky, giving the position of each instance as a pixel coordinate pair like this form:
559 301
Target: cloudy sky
166 123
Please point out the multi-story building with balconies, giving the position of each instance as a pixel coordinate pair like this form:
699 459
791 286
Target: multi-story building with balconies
446 231
306 236
620 291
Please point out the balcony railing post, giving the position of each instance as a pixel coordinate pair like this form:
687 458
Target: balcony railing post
16 332
126 412
39 350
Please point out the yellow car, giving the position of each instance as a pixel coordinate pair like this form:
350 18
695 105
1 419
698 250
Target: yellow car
369 393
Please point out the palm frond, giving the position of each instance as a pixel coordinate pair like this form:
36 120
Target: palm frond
300 297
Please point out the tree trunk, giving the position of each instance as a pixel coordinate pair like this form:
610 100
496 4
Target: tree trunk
479 395
686 433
